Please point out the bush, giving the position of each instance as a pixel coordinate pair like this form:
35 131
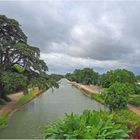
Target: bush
13 81
116 96
89 125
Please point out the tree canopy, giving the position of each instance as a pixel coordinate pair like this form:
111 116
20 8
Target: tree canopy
20 62
118 75
85 76
116 96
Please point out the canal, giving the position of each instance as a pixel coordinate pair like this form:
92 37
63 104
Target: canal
29 122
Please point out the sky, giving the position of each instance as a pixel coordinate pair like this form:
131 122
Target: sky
73 34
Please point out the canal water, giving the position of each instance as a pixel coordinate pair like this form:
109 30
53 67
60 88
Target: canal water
29 122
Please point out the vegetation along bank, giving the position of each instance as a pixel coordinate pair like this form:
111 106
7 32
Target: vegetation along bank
117 89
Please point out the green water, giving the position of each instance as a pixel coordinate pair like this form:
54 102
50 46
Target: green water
29 122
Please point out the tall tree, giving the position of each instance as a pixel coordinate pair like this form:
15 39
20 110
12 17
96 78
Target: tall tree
14 51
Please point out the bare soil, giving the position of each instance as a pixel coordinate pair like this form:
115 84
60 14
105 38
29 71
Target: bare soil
134 109
90 89
10 106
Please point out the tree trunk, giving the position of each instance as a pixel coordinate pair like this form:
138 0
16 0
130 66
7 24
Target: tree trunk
2 93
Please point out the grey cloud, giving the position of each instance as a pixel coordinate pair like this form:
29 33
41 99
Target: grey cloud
103 31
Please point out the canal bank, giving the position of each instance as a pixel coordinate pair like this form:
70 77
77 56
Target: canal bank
29 122
15 104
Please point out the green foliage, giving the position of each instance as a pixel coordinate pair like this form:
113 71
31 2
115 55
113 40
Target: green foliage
85 76
127 117
89 125
19 62
98 98
10 31
137 89
52 83
40 82
3 121
118 75
18 68
116 96
13 81
134 100
56 77
138 78
31 57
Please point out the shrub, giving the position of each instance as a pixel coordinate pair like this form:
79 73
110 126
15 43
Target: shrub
89 125
116 96
3 121
129 118
13 81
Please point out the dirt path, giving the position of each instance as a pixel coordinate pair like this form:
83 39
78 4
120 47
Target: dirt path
134 109
6 109
89 89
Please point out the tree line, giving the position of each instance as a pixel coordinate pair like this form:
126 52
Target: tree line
85 76
89 76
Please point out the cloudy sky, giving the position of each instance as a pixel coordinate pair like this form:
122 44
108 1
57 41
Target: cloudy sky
74 34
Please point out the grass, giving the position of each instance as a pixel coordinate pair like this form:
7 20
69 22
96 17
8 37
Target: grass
134 100
98 98
126 116
3 121
28 96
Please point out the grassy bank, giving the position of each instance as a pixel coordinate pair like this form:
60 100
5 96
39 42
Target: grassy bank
98 98
3 121
26 98
126 116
